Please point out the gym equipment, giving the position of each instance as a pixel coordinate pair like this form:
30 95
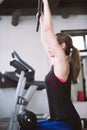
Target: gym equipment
40 9
24 80
27 119
83 54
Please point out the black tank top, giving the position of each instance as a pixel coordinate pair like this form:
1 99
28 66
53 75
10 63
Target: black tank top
59 99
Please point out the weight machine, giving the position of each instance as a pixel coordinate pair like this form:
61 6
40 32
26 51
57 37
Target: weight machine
26 86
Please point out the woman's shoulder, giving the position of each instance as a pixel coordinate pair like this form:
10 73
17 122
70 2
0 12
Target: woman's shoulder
61 71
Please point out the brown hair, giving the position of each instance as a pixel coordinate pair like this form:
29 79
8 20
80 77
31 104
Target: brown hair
73 53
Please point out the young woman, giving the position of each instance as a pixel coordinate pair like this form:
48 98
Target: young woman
64 71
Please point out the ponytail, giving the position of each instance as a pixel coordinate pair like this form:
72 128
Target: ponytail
74 64
72 53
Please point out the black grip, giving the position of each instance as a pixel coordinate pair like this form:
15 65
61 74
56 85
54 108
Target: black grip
40 9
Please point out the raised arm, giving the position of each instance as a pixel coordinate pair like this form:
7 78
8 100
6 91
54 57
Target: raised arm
50 43
48 36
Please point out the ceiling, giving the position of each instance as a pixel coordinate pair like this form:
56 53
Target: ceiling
18 8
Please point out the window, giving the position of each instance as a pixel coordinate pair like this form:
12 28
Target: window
78 42
79 38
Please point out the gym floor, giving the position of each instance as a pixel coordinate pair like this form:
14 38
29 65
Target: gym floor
4 123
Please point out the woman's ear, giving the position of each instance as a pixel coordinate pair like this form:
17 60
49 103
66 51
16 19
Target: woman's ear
63 45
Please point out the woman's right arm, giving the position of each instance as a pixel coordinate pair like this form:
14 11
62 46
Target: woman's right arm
46 25
48 37
49 40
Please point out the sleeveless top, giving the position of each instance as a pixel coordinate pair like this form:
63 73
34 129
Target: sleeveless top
59 99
